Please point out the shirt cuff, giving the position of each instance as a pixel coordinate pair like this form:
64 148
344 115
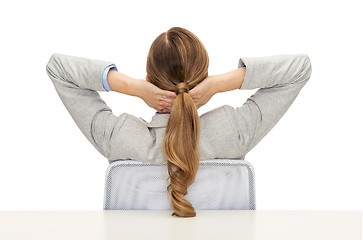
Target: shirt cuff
104 76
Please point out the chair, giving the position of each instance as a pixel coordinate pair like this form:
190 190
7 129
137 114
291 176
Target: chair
220 184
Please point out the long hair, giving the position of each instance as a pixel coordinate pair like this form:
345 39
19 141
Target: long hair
178 61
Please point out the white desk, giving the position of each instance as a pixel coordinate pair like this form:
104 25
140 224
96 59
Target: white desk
222 225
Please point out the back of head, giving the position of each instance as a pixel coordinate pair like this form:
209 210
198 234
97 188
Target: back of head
178 61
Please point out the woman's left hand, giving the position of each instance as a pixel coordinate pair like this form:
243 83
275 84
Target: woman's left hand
161 100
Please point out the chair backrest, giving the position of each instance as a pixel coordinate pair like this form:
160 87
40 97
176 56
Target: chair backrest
220 184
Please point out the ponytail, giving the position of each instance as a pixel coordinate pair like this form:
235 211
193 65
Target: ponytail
176 60
180 147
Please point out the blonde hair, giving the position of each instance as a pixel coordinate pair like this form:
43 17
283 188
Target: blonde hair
178 61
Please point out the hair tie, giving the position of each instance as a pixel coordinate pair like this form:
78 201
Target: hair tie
182 87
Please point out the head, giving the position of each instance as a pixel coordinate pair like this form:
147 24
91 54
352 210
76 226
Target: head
178 61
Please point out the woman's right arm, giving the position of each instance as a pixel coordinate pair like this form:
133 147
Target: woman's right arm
279 79
213 84
230 81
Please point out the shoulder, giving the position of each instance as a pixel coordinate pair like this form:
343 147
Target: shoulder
216 121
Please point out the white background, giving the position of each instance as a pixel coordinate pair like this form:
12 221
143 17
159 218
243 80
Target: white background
311 160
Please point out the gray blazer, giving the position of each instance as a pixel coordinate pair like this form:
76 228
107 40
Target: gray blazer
226 132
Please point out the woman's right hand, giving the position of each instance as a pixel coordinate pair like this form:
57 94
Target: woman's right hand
204 90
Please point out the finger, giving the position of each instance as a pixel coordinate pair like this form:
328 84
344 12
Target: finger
167 110
168 94
165 104
168 101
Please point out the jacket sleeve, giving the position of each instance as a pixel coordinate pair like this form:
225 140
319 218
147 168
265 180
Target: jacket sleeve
77 81
279 79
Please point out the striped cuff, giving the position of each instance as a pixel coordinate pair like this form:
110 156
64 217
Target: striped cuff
104 77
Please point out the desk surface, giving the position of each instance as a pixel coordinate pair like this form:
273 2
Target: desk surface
232 224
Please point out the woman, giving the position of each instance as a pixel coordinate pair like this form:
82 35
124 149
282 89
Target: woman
177 85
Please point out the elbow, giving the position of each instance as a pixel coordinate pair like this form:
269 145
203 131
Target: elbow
305 70
53 65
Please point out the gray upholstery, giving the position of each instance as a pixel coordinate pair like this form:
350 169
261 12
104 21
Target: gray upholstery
220 184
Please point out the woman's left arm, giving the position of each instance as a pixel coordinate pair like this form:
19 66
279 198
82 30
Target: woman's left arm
77 80
154 97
